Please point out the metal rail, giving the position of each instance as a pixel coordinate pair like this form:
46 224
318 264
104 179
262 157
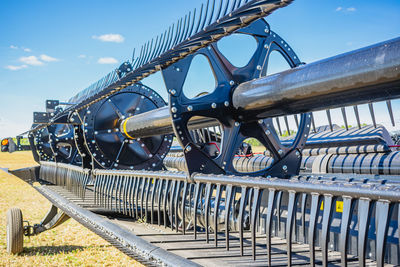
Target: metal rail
361 76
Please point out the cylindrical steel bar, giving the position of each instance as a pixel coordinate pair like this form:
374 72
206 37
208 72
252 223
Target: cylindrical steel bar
360 76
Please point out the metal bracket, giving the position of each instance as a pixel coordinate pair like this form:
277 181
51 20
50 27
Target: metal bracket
52 219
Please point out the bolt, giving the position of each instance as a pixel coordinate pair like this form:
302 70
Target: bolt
88 112
71 119
108 131
214 105
258 67
173 92
115 165
266 46
188 149
189 108
174 109
232 83
226 103
93 141
237 124
96 132
284 167
280 151
267 132
266 30
260 121
298 154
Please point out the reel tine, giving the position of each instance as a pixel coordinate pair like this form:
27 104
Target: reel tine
287 124
192 24
171 204
296 120
217 16
355 107
313 122
228 204
328 114
159 198
371 111
254 214
241 216
149 51
216 207
326 216
142 189
187 27
315 203
183 205
156 47
196 201
205 15
291 217
279 125
165 202
344 228
345 118
268 226
183 31
364 207
383 213
304 198
226 8
139 181
233 5
153 194
200 17
149 184
163 38
212 13
176 207
142 50
177 33
278 209
390 110
207 210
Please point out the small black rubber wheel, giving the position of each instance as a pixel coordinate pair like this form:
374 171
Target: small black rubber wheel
15 231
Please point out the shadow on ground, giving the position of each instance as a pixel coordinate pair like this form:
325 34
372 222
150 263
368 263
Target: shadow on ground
50 250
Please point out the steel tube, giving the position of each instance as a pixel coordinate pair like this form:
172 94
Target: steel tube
365 75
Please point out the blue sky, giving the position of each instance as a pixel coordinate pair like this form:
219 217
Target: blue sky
54 49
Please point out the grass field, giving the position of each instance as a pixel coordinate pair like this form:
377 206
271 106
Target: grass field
70 244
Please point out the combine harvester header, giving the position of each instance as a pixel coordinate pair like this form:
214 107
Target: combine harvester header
238 176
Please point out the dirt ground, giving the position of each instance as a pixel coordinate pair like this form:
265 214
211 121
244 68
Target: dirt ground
70 244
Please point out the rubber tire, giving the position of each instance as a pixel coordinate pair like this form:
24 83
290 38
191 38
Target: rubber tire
15 231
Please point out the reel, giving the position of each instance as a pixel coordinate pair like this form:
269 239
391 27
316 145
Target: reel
236 125
111 149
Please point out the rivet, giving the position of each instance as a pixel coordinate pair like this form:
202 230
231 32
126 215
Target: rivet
266 46
188 149
260 121
284 167
226 103
189 108
258 67
267 132
237 124
280 151
232 83
174 109
214 105
173 92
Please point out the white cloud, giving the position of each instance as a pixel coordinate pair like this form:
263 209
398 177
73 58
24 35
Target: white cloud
111 37
107 60
47 58
351 9
31 60
348 9
13 47
82 56
11 67
27 50
339 8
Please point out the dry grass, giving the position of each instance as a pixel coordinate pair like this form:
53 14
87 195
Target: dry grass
70 244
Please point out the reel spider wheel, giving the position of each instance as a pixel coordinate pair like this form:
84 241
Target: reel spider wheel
111 149
237 125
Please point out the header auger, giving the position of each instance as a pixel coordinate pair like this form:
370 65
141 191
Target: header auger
246 165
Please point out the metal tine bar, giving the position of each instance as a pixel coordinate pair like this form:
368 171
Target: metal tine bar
200 17
390 110
110 190
355 107
133 58
217 16
226 8
142 49
371 111
101 190
207 209
183 205
165 200
187 28
296 120
177 32
132 197
156 47
233 5
149 51
129 195
196 201
228 204
138 184
315 203
149 184
118 194
326 217
184 29
205 15
345 118
147 48
383 213
268 226
279 125
159 198
291 217
278 210
254 214
328 114
161 45
212 13
239 4
287 124
216 208
171 204
142 191
153 194
192 24
304 198
170 38
176 207
364 207
242 207
313 122
348 206
123 195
